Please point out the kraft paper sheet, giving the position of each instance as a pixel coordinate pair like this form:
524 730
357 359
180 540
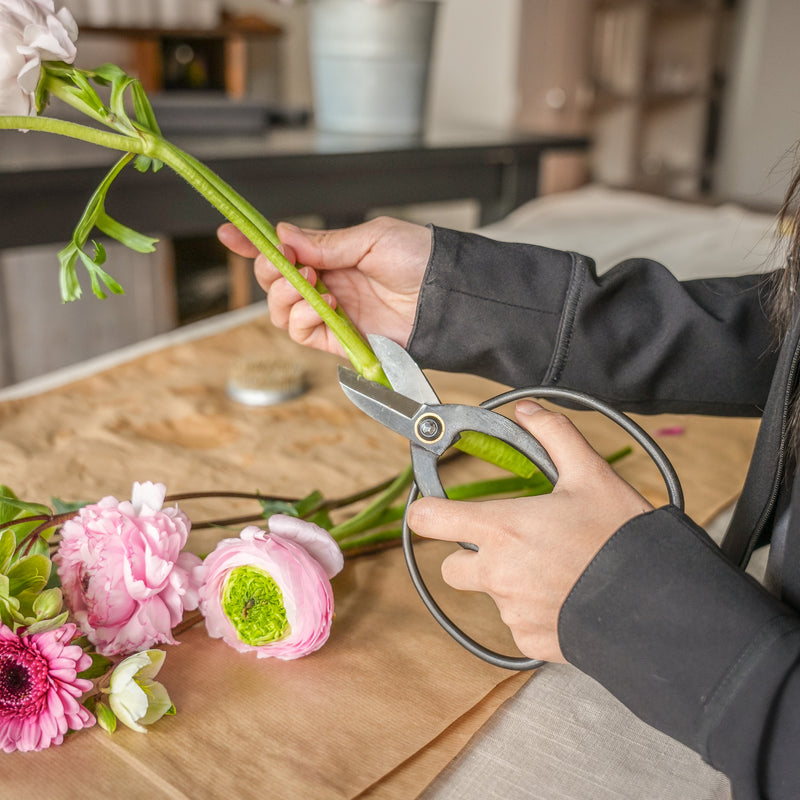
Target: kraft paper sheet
391 699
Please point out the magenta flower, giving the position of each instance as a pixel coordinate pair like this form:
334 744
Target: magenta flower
123 572
39 688
271 592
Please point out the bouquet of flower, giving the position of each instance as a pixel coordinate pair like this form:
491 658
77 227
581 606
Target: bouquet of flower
126 580
87 592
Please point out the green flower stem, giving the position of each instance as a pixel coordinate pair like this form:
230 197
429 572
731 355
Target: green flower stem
262 234
256 217
369 516
368 539
371 529
73 130
230 204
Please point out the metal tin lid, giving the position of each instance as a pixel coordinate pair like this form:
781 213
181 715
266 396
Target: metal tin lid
265 381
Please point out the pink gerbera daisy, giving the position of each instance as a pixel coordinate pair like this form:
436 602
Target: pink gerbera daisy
40 687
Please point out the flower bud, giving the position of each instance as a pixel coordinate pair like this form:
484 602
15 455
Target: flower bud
136 699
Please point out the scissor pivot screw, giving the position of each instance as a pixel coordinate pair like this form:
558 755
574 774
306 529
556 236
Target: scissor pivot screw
430 428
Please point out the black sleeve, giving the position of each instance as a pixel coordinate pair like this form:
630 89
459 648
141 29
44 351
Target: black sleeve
635 337
694 647
660 617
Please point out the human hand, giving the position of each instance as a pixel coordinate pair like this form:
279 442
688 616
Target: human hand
532 550
373 270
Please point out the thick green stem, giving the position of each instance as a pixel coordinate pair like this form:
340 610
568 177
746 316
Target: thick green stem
230 204
256 217
262 234
73 130
372 513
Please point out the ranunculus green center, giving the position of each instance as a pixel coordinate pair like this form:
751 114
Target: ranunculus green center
253 602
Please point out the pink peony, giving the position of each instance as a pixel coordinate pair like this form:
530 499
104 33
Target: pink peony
39 688
271 592
123 572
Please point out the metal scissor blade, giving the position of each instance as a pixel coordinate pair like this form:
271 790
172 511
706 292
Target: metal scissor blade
394 410
402 371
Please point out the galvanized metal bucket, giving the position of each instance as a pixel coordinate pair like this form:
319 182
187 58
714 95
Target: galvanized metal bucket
369 64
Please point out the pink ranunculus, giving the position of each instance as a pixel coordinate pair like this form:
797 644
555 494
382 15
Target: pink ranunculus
123 571
31 31
40 688
270 592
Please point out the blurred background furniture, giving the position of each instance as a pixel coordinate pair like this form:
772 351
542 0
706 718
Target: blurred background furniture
679 98
283 173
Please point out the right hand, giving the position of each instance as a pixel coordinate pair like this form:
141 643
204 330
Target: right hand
374 270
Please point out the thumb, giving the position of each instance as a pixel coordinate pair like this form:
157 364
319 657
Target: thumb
326 249
570 451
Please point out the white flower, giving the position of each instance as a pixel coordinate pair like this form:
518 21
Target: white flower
134 697
31 31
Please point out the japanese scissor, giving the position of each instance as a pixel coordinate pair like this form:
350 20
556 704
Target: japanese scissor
413 409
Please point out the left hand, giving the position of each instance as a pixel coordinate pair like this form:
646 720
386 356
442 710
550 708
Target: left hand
532 550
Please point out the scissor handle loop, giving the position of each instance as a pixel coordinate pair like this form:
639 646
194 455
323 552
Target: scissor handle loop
638 433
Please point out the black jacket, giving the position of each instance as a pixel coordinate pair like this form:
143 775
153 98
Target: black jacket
662 617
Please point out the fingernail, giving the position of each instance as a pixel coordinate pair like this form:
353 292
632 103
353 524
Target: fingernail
289 227
527 407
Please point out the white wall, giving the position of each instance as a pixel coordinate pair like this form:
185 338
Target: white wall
761 118
474 70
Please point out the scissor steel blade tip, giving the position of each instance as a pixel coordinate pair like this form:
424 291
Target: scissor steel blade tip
391 409
402 371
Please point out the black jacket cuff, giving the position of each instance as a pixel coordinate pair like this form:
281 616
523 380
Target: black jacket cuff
686 640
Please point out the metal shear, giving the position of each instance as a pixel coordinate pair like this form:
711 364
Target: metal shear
413 409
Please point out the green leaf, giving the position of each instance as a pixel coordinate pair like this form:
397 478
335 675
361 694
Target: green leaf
63 506
9 607
38 548
122 233
7 511
292 508
99 277
68 278
145 115
43 625
106 718
8 543
94 215
47 604
86 92
29 574
93 209
270 507
68 84
99 667
119 80
307 503
11 506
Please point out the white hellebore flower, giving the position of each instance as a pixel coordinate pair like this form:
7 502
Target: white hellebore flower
134 697
31 31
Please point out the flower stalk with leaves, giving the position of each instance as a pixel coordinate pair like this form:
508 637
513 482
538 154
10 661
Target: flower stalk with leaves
117 101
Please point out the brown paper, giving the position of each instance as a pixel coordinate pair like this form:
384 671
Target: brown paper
391 697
